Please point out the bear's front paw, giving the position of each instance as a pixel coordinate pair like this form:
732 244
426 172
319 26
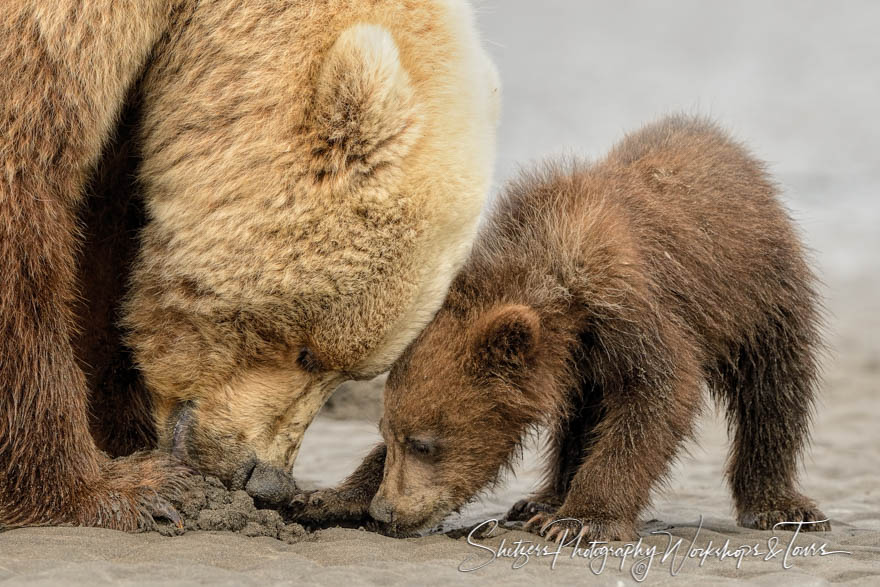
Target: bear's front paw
132 492
565 528
786 515
327 507
525 509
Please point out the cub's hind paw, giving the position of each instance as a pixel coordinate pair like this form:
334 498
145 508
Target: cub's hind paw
810 518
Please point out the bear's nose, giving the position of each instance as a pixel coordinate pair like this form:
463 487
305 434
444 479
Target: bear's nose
235 470
382 510
271 486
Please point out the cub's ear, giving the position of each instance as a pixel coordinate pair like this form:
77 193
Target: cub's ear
506 337
365 114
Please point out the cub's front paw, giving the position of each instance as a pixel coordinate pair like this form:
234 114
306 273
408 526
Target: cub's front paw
565 528
327 507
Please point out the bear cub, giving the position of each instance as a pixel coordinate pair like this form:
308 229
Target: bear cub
598 302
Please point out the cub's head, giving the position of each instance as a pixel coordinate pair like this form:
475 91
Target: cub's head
311 193
457 404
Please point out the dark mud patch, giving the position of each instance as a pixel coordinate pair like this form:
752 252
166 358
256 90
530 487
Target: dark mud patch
207 505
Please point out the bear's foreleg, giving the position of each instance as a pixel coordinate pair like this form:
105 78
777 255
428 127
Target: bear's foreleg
67 67
567 446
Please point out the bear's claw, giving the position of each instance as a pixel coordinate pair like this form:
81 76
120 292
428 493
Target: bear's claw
160 508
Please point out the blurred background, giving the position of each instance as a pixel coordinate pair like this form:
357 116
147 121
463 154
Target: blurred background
798 81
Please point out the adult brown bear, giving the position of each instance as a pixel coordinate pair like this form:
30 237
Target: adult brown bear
354 139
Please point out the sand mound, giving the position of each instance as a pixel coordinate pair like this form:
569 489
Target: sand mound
207 505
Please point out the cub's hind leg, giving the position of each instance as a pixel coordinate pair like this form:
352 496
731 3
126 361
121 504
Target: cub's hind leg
769 388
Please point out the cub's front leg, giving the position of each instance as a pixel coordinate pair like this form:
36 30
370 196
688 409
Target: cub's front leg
635 443
567 447
346 505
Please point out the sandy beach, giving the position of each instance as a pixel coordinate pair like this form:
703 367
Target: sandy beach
797 81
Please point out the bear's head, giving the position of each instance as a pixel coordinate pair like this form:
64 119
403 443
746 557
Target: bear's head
313 179
457 404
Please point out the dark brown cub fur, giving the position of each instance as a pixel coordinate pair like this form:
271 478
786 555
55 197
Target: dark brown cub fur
598 300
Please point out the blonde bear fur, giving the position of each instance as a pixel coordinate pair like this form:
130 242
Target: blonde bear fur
311 190
312 171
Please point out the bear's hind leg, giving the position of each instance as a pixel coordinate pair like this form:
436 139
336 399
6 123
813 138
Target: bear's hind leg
769 389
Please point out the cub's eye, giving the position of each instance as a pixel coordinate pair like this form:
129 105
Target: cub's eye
421 447
307 361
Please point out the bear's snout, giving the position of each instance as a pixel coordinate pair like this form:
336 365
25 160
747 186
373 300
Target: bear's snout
382 510
191 444
270 486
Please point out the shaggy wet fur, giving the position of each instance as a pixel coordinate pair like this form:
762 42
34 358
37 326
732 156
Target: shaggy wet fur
599 300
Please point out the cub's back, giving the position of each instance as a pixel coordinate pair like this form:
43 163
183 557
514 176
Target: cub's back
677 206
709 225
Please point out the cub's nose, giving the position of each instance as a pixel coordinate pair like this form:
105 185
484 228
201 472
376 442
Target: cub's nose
382 510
